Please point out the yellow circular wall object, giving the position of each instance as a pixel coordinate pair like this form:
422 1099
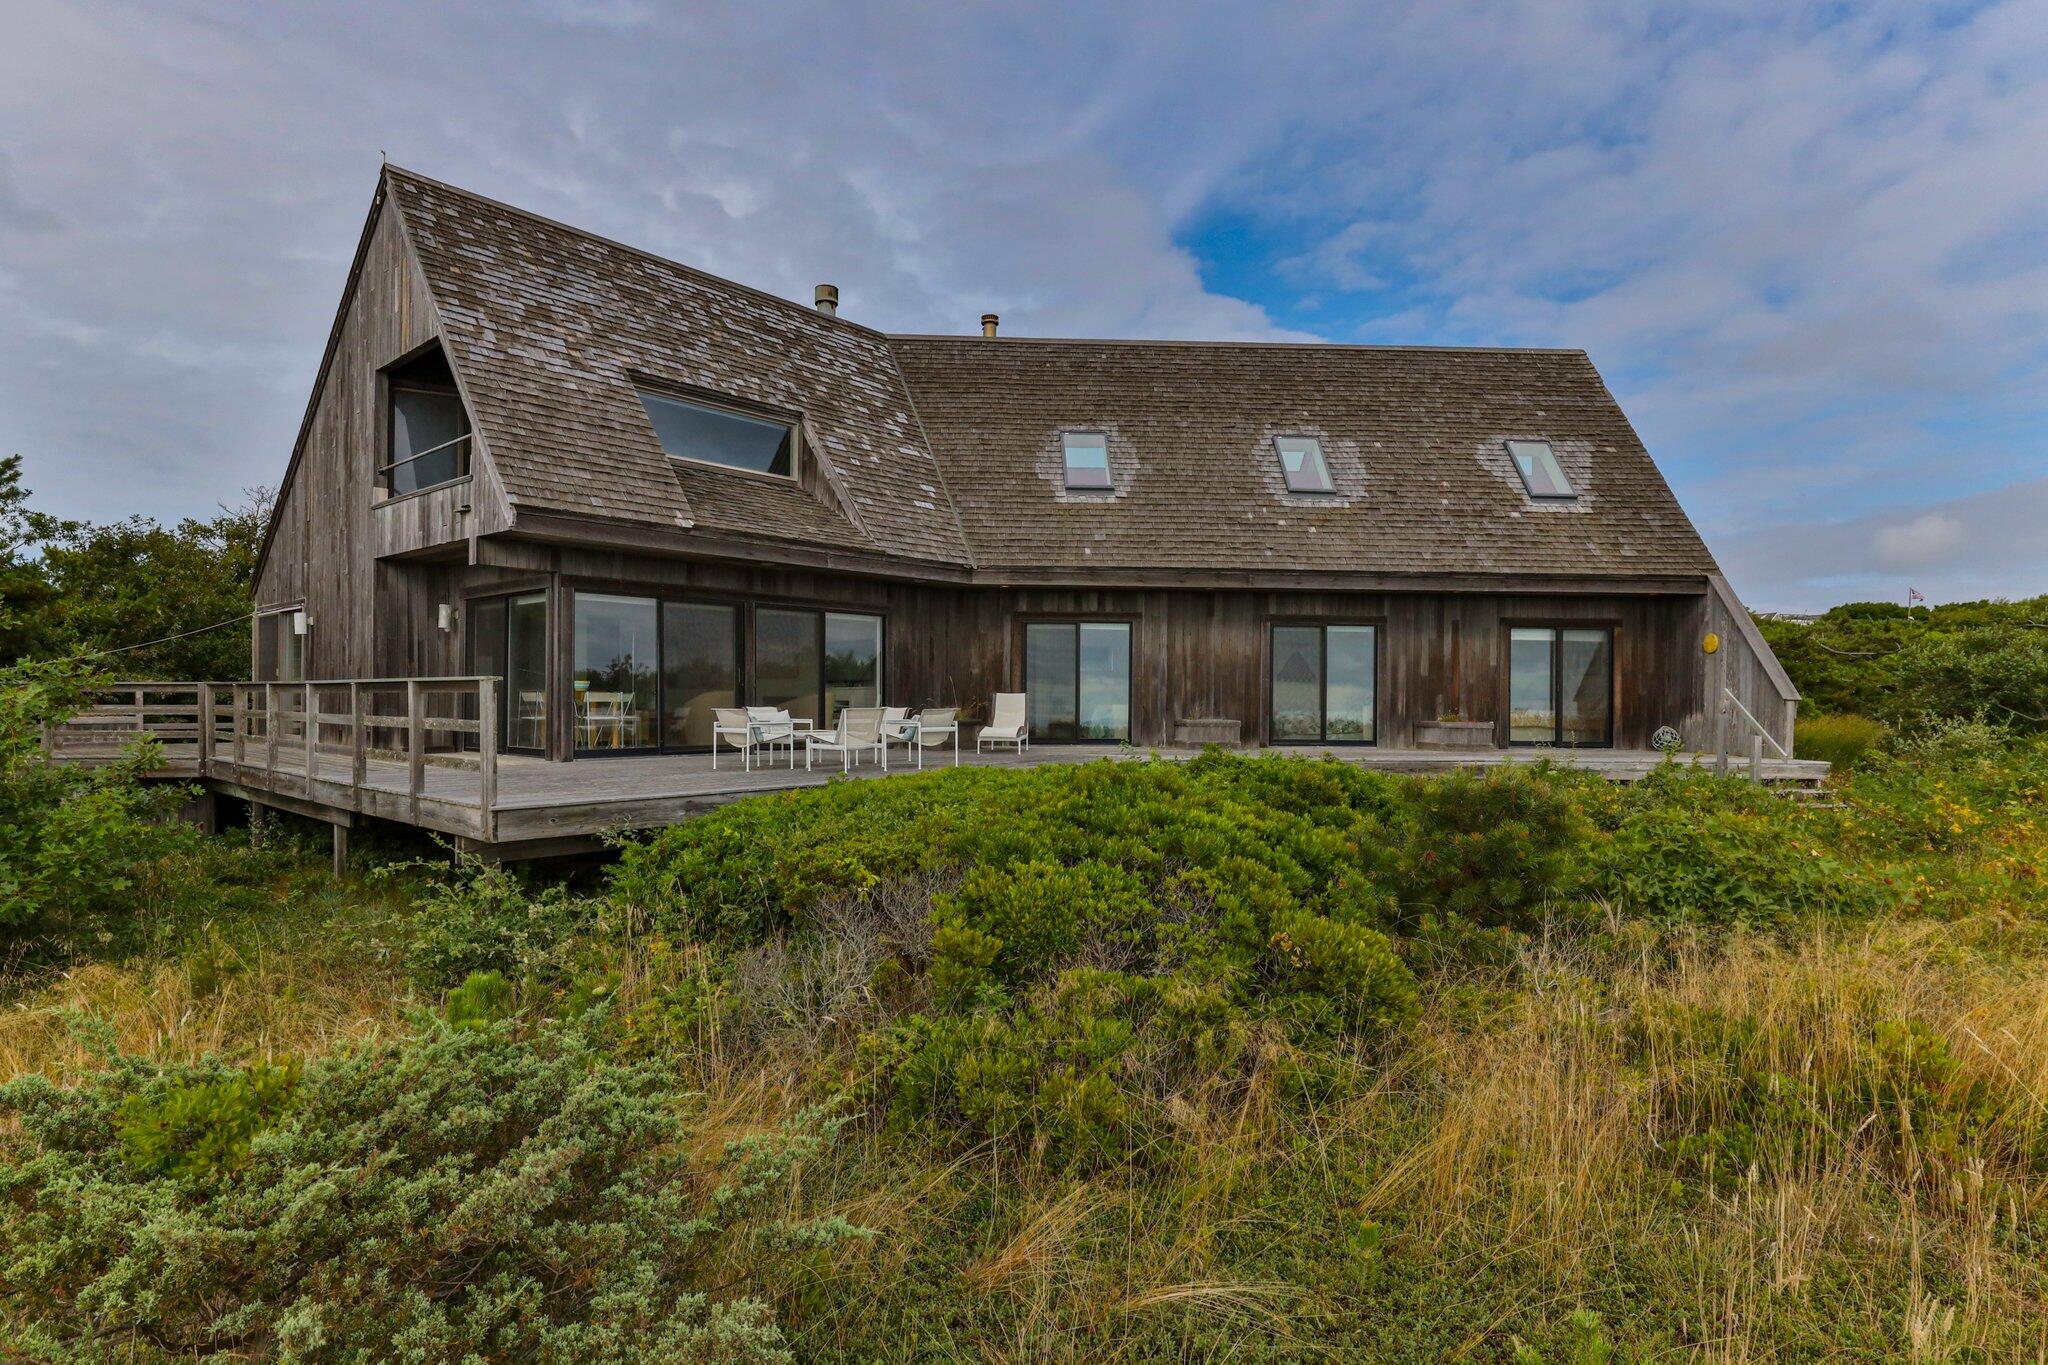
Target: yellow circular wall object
1712 644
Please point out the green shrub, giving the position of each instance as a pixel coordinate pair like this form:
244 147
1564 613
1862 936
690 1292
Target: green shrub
484 917
471 1194
189 1128
482 999
86 854
1839 739
1695 849
1040 914
1341 975
1493 847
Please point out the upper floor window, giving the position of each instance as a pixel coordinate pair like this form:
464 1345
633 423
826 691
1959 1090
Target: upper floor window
1301 461
429 434
1087 459
693 431
1540 471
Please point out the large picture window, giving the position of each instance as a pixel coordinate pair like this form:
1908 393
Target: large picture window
1325 684
1561 686
650 673
1077 680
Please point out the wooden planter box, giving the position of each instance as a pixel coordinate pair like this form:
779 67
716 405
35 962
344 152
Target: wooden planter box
1454 734
1195 733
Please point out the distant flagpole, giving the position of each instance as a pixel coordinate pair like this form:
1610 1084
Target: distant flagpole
1914 595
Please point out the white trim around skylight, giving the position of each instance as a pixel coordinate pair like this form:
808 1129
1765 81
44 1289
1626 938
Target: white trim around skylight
1541 474
1303 465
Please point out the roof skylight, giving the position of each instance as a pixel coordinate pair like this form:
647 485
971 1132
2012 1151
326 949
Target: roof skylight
1540 471
1301 460
1087 459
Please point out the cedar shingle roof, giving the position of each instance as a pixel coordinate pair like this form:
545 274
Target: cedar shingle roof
549 327
948 448
1413 437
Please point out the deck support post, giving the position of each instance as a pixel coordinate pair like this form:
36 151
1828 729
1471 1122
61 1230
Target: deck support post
340 848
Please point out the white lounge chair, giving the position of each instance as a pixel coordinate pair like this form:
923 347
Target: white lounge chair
1006 725
896 729
859 730
775 728
936 725
736 728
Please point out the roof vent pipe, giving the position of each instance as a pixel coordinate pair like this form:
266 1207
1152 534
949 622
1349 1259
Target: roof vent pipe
826 297
988 324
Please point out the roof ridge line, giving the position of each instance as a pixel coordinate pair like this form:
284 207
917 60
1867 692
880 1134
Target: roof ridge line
1250 345
808 311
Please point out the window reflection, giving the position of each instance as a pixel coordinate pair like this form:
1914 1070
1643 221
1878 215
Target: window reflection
615 673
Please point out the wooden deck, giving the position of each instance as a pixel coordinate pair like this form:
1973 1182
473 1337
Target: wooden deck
258 748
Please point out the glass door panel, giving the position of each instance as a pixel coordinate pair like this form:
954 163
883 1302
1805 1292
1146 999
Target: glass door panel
1532 668
1297 684
1585 688
853 662
1104 686
526 672
700 669
1350 715
787 667
617 672
1051 681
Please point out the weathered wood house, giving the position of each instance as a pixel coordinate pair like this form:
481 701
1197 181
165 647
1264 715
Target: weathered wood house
636 492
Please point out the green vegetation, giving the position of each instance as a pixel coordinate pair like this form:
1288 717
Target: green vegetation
69 588
1245 1058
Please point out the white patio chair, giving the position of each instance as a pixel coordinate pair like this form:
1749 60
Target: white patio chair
1006 725
859 730
774 728
936 725
736 728
896 729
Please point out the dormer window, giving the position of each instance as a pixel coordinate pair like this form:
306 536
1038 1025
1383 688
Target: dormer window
1301 461
1087 459
722 436
1540 471
429 435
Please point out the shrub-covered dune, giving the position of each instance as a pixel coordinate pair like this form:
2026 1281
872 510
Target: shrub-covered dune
1244 1058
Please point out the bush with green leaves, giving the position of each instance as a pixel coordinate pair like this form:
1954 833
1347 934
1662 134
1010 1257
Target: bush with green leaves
89 857
472 1193
1691 848
1494 848
486 917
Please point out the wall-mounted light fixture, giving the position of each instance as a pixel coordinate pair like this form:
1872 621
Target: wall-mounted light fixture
299 622
447 615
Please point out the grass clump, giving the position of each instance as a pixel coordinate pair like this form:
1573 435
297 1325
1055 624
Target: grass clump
1839 740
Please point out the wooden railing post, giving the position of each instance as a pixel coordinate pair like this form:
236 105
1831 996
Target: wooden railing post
359 752
271 717
415 745
312 737
487 754
238 717
1756 758
1721 736
205 727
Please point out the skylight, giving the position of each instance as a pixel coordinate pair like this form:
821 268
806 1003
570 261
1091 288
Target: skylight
1087 459
1301 460
692 431
1541 474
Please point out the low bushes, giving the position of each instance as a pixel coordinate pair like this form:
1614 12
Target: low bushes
478 1192
1841 740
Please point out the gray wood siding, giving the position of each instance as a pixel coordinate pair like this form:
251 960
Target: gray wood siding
369 615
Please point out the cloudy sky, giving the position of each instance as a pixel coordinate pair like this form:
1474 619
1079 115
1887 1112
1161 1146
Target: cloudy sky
1806 243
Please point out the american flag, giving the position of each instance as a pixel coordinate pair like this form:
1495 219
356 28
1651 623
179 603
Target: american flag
1914 595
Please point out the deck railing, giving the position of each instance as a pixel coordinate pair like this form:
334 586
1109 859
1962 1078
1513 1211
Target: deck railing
1732 709
317 739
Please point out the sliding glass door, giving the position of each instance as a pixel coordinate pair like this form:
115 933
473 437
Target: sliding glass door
700 669
508 639
1324 684
617 673
1561 686
815 664
1077 680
